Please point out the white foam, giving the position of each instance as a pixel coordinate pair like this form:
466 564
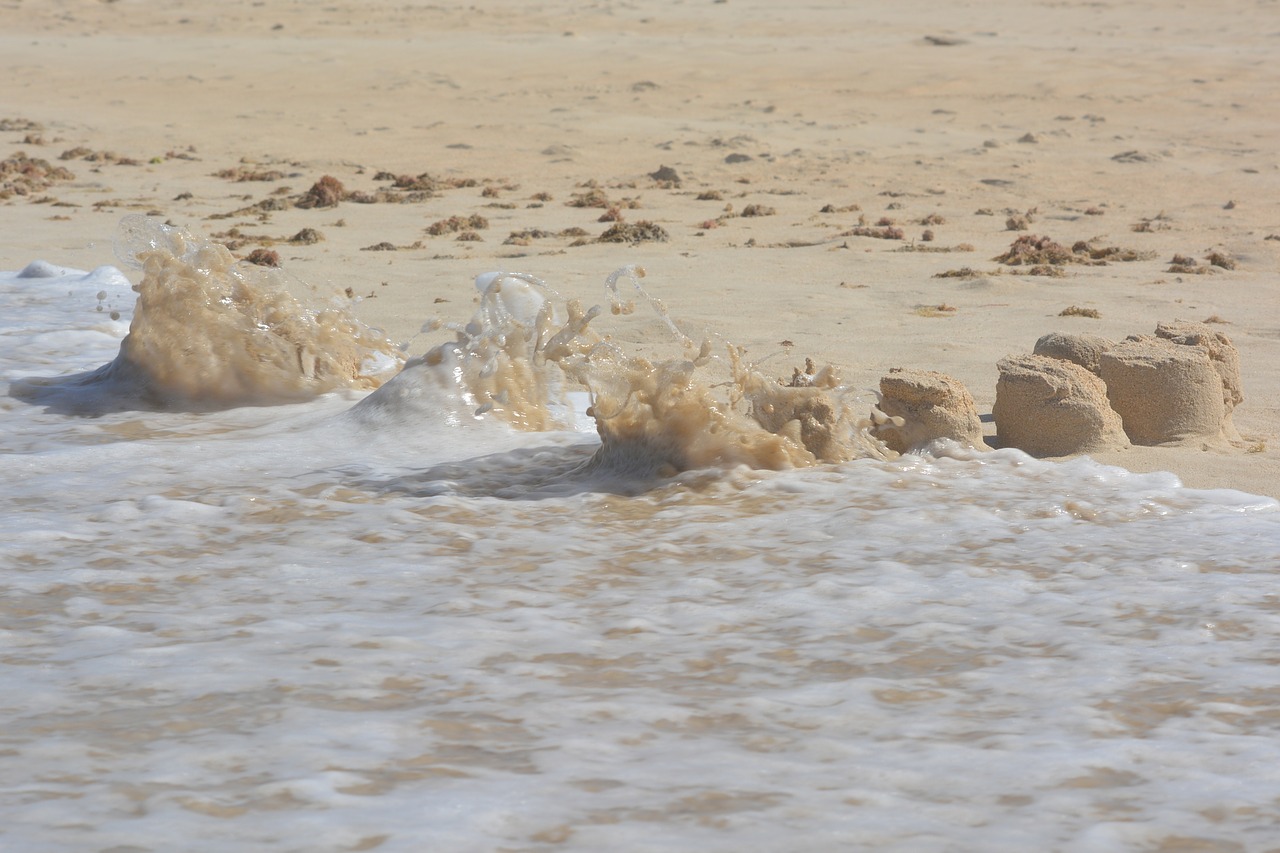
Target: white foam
253 626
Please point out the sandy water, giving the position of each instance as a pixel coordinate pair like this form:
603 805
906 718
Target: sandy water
337 624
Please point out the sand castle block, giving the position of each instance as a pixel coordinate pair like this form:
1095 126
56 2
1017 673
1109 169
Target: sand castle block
1052 407
1225 358
1083 349
1166 392
931 406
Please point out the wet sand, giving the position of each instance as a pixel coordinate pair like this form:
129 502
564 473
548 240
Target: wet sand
793 160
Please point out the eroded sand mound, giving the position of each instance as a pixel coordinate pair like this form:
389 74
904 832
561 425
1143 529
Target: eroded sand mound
1222 353
1171 389
1078 348
1050 407
930 406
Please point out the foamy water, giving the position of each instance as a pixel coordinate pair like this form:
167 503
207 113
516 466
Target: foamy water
396 621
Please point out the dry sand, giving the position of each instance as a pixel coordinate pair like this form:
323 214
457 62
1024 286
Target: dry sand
1139 125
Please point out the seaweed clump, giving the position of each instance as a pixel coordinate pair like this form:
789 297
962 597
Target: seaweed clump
1030 250
962 272
634 232
1048 270
424 182
1218 259
593 196
886 232
917 247
326 192
264 258
1183 264
528 235
22 175
240 174
454 224
1110 253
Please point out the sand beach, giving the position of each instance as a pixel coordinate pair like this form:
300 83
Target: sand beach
825 183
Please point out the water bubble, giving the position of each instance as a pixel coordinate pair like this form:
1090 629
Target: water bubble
138 234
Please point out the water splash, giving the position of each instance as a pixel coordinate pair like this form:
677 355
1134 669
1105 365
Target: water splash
209 333
525 350
501 365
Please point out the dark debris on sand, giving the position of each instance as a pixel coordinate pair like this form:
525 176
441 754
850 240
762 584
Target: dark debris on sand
634 232
264 258
1030 250
21 175
455 224
326 192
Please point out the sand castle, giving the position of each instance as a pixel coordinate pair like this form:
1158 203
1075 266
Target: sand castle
1082 349
1176 387
1081 393
1050 406
924 406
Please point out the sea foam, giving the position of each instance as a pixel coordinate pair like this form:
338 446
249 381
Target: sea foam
434 615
